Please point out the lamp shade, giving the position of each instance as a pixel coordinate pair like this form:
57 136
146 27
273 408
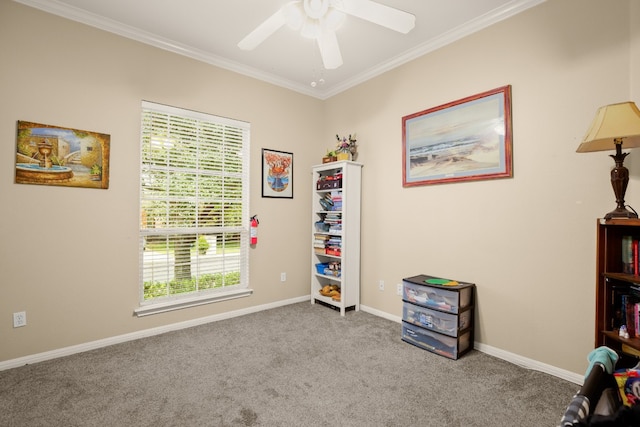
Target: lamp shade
613 124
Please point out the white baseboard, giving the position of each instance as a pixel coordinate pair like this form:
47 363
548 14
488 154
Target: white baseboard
382 314
530 363
92 345
500 354
67 351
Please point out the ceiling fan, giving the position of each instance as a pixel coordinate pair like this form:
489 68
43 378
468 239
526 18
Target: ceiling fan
319 19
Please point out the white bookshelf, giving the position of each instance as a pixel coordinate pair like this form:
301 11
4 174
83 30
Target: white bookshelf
348 192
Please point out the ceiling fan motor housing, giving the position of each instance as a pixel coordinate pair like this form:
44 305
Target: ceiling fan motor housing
316 9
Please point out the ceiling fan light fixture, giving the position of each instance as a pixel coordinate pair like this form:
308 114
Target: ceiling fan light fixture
316 9
310 29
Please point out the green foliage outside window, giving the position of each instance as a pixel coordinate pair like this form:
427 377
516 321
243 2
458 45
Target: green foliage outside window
204 282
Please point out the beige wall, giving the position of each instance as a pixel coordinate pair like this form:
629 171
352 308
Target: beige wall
70 255
634 18
528 242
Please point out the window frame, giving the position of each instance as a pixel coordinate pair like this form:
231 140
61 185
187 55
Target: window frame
175 301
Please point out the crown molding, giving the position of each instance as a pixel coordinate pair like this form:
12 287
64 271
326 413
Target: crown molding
451 36
76 14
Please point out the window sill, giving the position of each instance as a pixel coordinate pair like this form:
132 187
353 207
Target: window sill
178 304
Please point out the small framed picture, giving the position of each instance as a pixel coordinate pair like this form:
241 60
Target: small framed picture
277 174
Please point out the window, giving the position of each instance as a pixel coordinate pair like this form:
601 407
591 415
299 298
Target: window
194 192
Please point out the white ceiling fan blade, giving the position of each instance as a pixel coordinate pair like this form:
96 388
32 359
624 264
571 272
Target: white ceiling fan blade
329 50
389 17
263 31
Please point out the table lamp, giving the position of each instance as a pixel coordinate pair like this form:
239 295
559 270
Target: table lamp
614 125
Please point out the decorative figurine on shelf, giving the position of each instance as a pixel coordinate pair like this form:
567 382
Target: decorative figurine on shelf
623 332
346 148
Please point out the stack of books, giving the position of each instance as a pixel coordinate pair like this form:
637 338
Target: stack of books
326 202
627 308
334 245
320 243
336 200
334 219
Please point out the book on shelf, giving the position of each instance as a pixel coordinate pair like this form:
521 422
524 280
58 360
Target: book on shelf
326 203
332 251
628 304
630 255
336 199
617 318
334 244
635 256
636 320
331 201
626 310
333 218
320 240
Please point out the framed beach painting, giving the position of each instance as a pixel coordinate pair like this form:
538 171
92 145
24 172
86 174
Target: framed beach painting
464 140
277 174
54 155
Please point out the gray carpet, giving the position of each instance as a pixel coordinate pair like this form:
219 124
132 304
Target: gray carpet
299 365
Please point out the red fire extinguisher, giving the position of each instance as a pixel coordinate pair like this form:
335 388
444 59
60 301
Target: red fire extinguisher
254 229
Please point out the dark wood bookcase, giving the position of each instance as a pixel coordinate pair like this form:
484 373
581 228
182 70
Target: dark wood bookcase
611 282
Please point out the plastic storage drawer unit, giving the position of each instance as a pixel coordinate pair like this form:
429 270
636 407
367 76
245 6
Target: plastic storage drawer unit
438 314
445 323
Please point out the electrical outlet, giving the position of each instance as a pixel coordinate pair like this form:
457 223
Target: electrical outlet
283 277
381 285
19 319
399 289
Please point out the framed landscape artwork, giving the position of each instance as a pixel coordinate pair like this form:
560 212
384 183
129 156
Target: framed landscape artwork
277 174
53 155
464 140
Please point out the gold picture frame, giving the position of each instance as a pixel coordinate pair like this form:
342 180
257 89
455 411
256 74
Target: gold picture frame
53 155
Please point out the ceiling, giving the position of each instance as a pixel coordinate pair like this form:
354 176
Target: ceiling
209 30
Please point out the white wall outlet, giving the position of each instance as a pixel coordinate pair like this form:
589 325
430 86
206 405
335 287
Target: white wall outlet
283 277
19 319
399 289
381 285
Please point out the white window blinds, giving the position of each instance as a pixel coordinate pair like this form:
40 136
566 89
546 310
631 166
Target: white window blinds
193 204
